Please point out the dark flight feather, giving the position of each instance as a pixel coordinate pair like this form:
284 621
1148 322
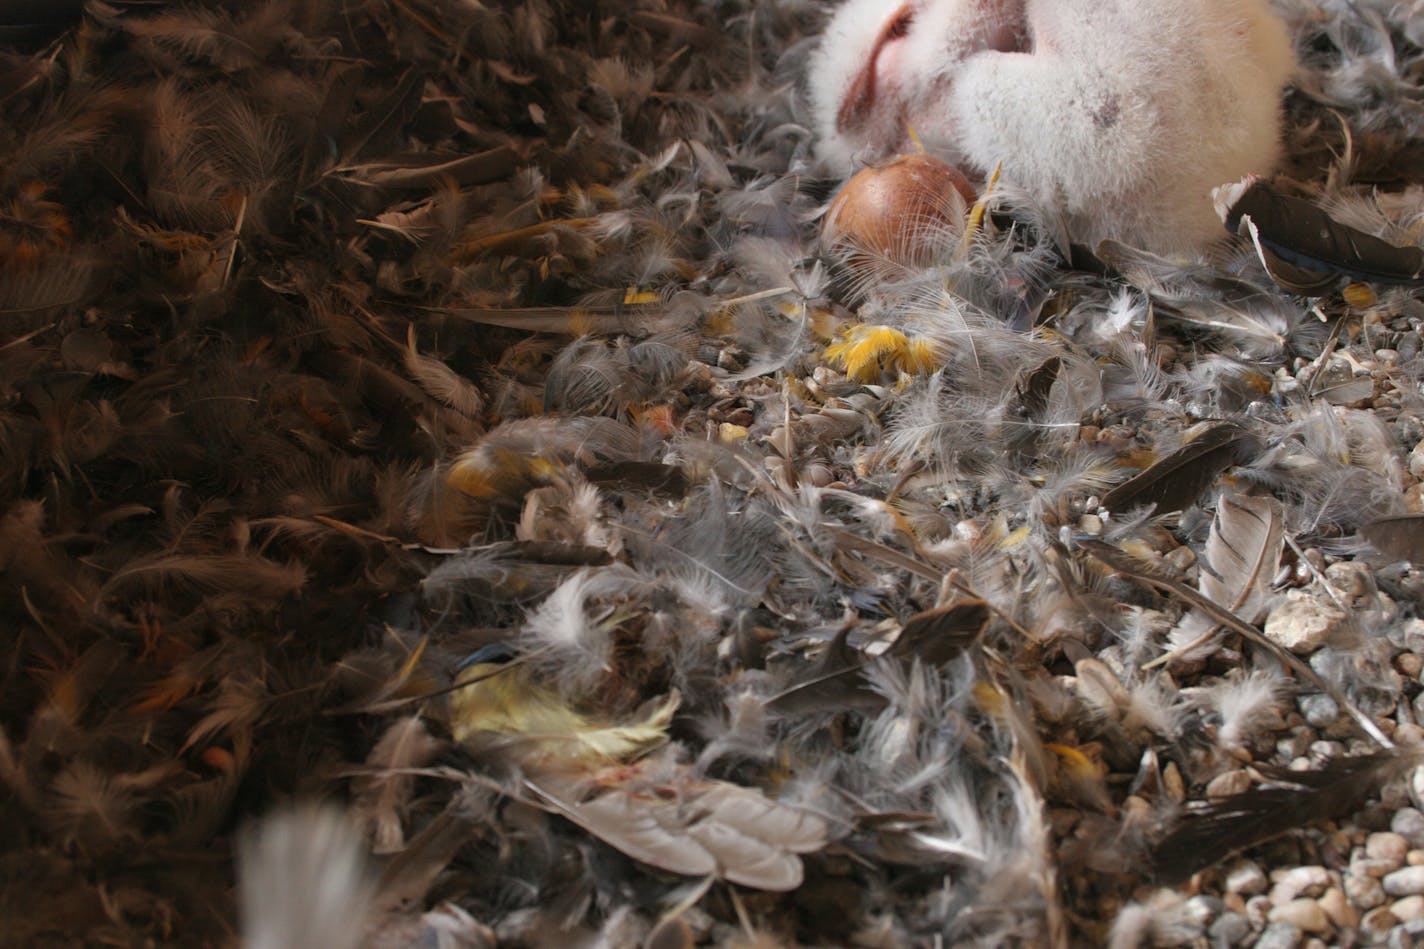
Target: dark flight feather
1291 801
1307 250
1400 537
1176 481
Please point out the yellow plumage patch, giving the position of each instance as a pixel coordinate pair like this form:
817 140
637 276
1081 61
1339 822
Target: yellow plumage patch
868 351
502 703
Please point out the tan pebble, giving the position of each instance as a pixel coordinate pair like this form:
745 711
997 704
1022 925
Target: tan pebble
1258 909
1227 784
1090 524
1245 877
1378 922
1406 882
1414 857
1409 664
1341 913
1304 881
1137 810
1364 866
1363 891
1408 909
1303 913
1181 558
1173 787
1387 846
1302 622
1235 902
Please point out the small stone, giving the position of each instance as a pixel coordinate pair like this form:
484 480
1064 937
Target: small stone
1410 823
1298 881
1409 664
1408 909
1201 910
1296 744
1090 524
1319 710
1408 935
1229 929
1338 909
1247 878
1350 578
1279 936
1323 752
1416 461
1387 846
1303 622
1378 922
1227 784
1364 892
1364 866
1408 634
1406 882
1174 788
1258 908
1304 914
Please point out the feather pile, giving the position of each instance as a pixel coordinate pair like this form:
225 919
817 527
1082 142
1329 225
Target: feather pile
448 496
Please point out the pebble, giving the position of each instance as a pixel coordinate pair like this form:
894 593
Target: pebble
1246 877
1258 909
1201 910
1325 751
1341 913
1319 710
1406 882
1388 846
1303 622
1304 914
1297 743
1408 936
1364 866
1227 784
1410 633
1409 664
1414 858
1350 578
1378 922
1408 909
1409 822
1279 936
1174 787
1230 929
1363 891
1298 881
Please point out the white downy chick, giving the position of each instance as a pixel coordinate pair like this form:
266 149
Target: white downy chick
1124 114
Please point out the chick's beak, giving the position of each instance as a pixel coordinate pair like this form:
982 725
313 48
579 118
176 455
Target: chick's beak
862 96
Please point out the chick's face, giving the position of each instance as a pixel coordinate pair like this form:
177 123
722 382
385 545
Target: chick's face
882 70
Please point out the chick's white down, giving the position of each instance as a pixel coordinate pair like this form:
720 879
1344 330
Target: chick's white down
1122 114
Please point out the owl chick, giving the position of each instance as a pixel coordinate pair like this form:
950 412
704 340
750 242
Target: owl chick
1123 114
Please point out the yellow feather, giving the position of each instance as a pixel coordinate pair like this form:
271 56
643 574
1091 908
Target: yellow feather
503 702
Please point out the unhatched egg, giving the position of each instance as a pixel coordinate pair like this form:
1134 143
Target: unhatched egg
902 210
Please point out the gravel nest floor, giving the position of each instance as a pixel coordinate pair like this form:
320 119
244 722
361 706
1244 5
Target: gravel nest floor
449 497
